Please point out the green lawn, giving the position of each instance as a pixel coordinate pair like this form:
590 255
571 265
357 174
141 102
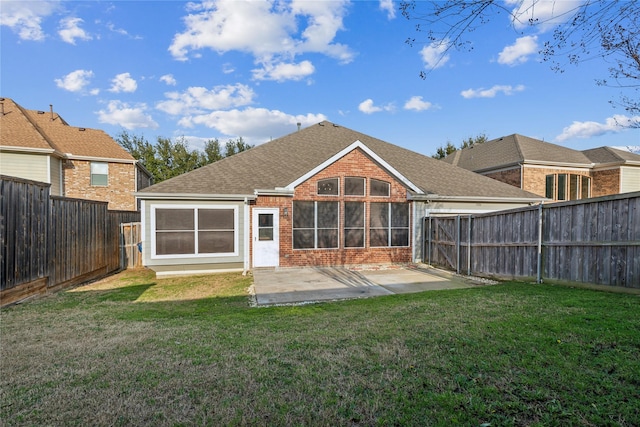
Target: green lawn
134 350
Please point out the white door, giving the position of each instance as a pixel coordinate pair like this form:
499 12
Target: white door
266 249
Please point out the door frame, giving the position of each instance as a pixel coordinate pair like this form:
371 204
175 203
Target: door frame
276 233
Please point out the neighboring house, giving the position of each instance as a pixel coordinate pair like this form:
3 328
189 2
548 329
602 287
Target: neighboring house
324 195
77 162
550 170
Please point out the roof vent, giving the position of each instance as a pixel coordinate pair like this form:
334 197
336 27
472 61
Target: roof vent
320 124
40 112
299 124
2 107
82 129
51 109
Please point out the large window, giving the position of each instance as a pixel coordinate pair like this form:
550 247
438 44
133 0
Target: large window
195 231
315 225
354 225
353 186
567 187
389 224
99 174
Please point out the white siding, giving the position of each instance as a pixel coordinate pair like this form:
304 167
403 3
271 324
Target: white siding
27 166
629 179
55 172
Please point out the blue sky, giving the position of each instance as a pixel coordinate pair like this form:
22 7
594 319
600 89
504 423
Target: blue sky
223 69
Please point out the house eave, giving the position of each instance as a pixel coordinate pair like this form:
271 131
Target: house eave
285 192
193 196
100 159
436 197
29 150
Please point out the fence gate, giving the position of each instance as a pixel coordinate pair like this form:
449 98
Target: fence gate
130 250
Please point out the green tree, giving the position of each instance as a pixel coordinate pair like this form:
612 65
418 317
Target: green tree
444 151
607 30
212 151
234 147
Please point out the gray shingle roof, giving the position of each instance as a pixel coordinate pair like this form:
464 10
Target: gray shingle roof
513 149
282 161
611 155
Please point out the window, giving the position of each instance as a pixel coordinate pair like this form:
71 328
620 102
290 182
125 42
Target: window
195 231
328 187
99 174
353 225
550 188
315 225
353 186
265 227
585 191
379 188
562 186
389 224
574 187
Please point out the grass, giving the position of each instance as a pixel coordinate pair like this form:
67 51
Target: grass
135 350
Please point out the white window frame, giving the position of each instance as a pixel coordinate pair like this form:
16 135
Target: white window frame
91 173
316 228
389 227
236 231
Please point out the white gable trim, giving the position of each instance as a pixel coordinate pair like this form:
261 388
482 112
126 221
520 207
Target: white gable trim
344 152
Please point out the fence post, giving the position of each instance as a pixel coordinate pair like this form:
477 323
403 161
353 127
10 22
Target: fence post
539 275
469 247
429 241
458 244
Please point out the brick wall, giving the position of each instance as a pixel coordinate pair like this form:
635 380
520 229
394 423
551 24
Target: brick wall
511 176
605 182
119 191
535 178
354 164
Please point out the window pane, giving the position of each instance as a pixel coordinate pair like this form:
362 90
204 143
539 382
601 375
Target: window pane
99 168
303 239
328 187
550 188
265 220
399 215
215 242
215 219
328 238
265 234
399 237
169 243
174 219
99 180
353 214
573 186
378 237
353 186
354 238
328 214
379 216
379 188
562 186
586 188
303 215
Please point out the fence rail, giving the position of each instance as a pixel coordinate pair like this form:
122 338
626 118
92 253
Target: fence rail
591 241
53 242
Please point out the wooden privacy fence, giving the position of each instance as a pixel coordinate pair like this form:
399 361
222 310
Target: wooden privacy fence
593 241
54 242
130 250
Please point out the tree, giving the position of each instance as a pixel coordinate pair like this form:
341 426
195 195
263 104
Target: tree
168 158
443 152
604 29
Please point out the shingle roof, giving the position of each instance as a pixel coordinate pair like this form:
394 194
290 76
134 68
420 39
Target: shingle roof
46 130
513 149
611 155
282 161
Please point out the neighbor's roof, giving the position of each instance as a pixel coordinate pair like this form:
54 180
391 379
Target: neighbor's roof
33 129
281 162
609 155
514 149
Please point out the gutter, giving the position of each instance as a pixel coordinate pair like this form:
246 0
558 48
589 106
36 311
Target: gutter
435 197
193 196
278 191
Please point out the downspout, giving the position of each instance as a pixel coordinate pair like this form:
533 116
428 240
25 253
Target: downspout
247 240
414 247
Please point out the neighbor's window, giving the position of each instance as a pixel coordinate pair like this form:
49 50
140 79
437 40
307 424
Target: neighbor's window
585 191
550 188
354 225
195 231
328 187
379 188
315 225
562 186
99 174
389 224
574 187
353 186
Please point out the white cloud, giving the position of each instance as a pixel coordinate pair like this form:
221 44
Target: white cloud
615 124
434 55
545 13
123 83
492 92
70 30
266 29
367 106
168 79
283 71
75 81
255 125
227 68
25 17
196 100
416 103
518 53
129 117
388 6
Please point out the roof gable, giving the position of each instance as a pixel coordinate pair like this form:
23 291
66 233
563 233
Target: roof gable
611 155
282 163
